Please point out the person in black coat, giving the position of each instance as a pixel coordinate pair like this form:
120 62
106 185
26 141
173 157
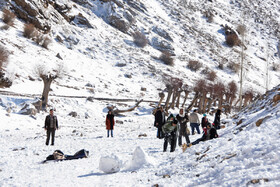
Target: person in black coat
51 125
183 119
217 120
159 122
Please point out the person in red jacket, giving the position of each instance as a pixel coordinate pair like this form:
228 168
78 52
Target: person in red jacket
110 122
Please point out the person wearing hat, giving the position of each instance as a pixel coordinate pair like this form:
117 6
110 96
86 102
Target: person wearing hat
183 119
169 130
110 122
204 121
51 125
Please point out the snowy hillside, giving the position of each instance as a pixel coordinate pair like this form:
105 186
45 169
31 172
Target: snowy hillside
101 61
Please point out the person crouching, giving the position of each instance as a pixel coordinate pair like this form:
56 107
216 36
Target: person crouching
169 130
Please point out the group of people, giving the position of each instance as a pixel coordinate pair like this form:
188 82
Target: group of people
175 127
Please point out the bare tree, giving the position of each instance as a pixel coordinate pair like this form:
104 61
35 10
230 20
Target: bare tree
186 90
48 77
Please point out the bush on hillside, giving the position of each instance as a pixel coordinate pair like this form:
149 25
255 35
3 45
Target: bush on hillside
232 40
221 65
166 58
8 17
140 39
194 65
275 67
234 67
211 75
29 30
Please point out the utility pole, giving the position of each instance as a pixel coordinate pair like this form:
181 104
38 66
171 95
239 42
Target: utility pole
241 70
267 67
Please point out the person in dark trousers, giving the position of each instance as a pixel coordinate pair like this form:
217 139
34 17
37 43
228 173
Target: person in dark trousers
217 120
194 122
204 121
110 122
169 129
183 119
209 133
51 125
159 121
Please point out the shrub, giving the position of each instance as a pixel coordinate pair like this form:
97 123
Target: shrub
166 58
241 29
38 37
140 39
194 65
235 67
8 17
232 40
29 30
46 42
211 75
3 56
4 81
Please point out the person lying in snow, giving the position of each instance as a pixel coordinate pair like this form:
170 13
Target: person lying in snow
209 133
169 130
59 155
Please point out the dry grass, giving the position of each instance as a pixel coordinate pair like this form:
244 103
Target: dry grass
8 17
211 75
29 30
194 65
166 58
140 39
234 67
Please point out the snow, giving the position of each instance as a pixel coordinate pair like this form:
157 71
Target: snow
241 154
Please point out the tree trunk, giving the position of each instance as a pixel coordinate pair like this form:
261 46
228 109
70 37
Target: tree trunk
45 96
186 97
168 99
206 100
160 101
178 99
209 105
117 111
193 102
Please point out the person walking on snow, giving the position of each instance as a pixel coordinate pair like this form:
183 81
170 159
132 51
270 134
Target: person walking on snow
204 121
110 122
159 121
169 129
194 122
183 119
217 120
51 125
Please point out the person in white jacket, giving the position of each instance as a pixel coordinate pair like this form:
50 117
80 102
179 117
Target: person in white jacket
194 122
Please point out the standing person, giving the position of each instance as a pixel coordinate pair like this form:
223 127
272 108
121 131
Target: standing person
110 122
183 119
159 121
194 122
51 125
169 129
204 121
217 120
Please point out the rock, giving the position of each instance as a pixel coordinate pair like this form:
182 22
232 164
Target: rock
239 122
163 45
162 33
119 23
128 76
142 135
260 121
81 21
143 89
59 56
91 99
28 109
90 85
137 5
166 176
276 99
119 121
121 64
73 114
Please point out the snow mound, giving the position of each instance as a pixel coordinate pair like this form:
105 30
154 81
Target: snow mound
110 164
138 160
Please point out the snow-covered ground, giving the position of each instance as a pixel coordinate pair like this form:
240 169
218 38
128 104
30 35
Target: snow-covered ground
243 153
104 62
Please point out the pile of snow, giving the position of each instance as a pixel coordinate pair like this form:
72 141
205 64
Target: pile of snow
138 160
110 164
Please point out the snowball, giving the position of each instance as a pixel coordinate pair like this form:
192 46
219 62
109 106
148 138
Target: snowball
110 164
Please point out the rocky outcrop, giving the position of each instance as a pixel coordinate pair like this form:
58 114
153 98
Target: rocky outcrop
162 45
162 33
